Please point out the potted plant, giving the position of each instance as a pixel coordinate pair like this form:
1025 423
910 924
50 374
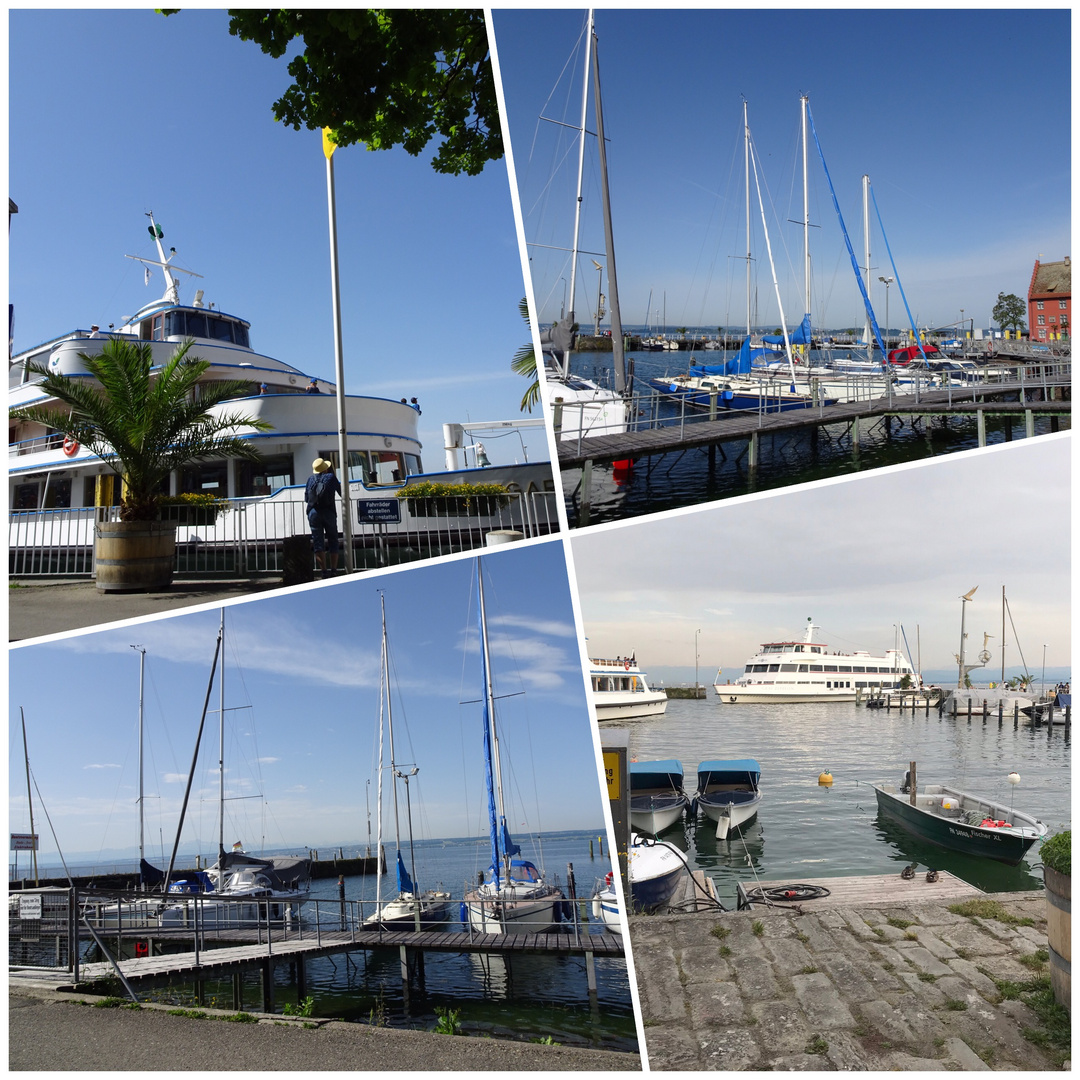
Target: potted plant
434 498
143 424
1056 855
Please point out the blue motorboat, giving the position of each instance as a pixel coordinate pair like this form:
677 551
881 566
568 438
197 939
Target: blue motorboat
728 792
657 798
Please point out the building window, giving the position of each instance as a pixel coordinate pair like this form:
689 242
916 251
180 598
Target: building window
1038 305
1042 320
1063 305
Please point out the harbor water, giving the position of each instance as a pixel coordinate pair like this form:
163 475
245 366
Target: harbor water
692 476
805 831
527 998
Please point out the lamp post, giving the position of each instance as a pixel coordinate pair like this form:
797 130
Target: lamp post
697 636
599 296
1042 687
961 323
886 281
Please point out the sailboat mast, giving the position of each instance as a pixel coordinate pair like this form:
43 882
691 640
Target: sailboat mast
29 796
580 178
221 759
496 807
379 868
618 356
1002 635
142 841
806 213
746 167
390 727
868 330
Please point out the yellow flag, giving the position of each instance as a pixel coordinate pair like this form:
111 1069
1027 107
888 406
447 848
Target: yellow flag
328 144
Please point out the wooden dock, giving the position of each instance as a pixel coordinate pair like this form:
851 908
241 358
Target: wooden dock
747 425
874 889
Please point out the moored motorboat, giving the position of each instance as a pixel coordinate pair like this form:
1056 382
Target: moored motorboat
728 793
657 798
618 690
656 869
805 671
959 821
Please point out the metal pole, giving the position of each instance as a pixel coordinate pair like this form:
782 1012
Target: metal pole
339 364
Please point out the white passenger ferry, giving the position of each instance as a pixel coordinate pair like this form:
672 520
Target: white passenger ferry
49 473
801 671
618 690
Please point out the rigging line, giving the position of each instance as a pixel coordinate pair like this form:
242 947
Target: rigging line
896 274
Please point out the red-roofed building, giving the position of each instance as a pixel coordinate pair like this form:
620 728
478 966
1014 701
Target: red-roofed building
1050 301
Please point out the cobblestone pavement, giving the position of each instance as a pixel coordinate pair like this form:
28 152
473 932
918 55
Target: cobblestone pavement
881 987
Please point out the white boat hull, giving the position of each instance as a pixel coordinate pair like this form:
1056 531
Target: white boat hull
652 822
732 694
511 911
629 706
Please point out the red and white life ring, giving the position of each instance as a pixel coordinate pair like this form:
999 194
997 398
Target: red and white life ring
71 447
626 664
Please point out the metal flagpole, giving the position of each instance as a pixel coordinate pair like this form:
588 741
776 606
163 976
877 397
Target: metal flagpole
339 365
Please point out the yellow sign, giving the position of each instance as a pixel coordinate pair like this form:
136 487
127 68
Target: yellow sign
611 770
328 144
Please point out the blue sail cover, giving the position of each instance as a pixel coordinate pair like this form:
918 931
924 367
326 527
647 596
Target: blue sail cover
801 336
509 847
404 882
740 364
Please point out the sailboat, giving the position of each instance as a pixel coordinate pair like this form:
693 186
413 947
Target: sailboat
513 896
276 886
410 908
587 408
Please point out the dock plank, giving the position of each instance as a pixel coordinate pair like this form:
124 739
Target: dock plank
880 889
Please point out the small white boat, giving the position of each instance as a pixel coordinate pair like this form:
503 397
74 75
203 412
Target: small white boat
728 793
656 869
805 671
657 798
618 690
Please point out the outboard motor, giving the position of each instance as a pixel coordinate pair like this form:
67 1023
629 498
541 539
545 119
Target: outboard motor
905 787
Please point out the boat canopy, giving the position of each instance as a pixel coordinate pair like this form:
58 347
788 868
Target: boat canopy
736 771
283 872
740 364
801 336
653 774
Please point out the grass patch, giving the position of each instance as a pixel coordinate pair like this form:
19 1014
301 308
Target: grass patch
240 1018
964 954
877 930
1036 960
800 936
900 924
911 936
725 951
989 909
191 1014
720 932
817 1045
925 976
809 970
1054 1032
305 1008
447 1024
110 1003
955 1005
547 1040
758 928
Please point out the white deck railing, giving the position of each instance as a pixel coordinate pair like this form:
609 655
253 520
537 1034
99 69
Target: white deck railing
248 537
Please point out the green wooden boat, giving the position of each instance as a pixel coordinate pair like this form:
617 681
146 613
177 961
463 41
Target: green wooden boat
961 822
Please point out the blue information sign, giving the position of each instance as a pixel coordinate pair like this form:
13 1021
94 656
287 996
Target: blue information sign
381 511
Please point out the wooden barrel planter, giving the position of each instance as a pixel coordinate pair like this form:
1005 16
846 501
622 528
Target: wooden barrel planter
1058 932
134 556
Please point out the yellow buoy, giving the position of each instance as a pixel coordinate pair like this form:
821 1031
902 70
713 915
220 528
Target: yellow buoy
825 779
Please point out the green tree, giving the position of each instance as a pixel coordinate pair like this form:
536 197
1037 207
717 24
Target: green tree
387 77
1009 311
144 425
524 363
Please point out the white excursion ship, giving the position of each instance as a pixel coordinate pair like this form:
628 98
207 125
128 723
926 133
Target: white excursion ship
52 476
618 690
801 671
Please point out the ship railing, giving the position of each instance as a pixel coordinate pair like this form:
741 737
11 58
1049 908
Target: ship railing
245 537
52 441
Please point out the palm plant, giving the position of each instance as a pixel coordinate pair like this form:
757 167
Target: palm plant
524 363
144 424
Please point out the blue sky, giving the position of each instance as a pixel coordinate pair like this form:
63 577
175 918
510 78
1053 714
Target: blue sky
960 118
116 113
302 689
859 555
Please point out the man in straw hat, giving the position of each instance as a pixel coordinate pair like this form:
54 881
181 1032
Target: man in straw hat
319 498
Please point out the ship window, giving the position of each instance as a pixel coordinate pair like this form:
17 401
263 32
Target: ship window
774 667
789 667
830 667
798 648
220 329
815 667
844 667
25 497
815 648
265 476
748 668
208 477
413 466
196 325
803 667
855 667
58 495
157 332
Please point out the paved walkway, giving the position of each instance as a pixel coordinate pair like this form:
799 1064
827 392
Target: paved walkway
54 606
52 1031
882 987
